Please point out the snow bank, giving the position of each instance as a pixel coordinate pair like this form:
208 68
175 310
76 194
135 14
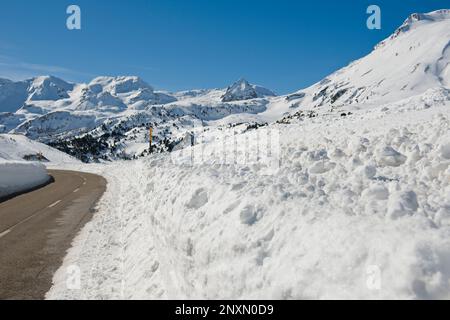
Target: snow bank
359 208
16 176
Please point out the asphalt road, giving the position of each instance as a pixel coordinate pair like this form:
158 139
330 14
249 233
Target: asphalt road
37 229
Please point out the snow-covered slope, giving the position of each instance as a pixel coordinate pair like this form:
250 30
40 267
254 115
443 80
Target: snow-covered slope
414 59
19 148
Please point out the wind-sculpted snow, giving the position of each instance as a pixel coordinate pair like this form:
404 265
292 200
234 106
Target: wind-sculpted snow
358 208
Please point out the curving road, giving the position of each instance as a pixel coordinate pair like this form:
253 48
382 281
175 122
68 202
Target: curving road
37 229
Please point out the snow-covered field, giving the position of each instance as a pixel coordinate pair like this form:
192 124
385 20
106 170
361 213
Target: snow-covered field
358 208
19 176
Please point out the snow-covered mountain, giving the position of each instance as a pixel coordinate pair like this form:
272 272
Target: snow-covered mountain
242 90
113 114
44 94
13 95
48 89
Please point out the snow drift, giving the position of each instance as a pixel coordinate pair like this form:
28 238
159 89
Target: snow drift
20 176
358 209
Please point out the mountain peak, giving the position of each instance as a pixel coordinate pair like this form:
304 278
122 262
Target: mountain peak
417 19
48 88
436 15
242 81
413 60
243 90
121 84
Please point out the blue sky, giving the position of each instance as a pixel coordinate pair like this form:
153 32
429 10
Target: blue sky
184 44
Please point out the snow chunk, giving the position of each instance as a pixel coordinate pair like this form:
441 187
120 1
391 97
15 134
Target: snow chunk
249 215
390 157
445 151
402 203
377 192
443 216
320 167
436 170
368 171
198 200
